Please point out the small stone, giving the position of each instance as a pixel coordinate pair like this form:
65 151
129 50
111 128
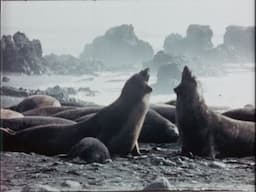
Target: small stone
161 183
71 184
39 188
5 79
216 164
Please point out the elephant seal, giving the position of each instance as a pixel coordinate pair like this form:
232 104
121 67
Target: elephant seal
35 101
167 111
18 124
207 133
171 102
90 150
9 114
73 114
118 125
46 111
155 129
244 114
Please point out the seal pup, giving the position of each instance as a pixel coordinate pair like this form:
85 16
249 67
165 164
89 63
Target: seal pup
18 124
118 125
207 133
244 114
9 114
35 101
90 150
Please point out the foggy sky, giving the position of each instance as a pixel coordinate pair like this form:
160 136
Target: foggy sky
64 27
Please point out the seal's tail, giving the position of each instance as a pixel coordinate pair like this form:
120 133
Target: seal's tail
8 139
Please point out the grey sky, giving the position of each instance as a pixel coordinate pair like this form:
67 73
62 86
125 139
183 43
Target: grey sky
65 26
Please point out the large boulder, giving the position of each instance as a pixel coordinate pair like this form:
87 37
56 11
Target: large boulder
118 48
22 55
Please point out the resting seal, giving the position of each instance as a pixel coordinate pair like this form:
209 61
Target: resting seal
18 124
118 125
167 111
155 129
35 101
9 114
244 114
90 150
74 114
46 111
207 133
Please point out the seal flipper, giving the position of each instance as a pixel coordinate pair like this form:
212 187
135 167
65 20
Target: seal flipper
136 150
8 137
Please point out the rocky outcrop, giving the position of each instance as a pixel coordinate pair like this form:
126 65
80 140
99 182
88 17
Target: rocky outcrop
238 45
196 42
22 55
118 48
167 78
161 58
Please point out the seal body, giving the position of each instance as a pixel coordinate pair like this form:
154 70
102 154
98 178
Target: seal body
207 133
18 124
36 101
157 129
167 111
74 114
9 114
244 114
118 125
90 150
46 111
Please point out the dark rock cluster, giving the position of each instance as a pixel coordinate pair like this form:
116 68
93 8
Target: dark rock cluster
119 48
19 54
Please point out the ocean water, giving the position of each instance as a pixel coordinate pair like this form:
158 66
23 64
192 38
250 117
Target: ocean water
234 89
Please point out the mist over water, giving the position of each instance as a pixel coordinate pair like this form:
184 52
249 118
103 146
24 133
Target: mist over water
235 89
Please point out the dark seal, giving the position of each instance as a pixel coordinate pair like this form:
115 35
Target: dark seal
18 124
244 114
155 129
118 125
47 111
207 133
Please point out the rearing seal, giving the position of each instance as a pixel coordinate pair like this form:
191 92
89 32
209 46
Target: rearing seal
206 133
118 125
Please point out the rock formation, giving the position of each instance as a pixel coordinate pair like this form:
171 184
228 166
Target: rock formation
22 55
118 48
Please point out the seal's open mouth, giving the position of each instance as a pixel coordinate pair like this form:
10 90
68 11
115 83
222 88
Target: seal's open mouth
145 74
